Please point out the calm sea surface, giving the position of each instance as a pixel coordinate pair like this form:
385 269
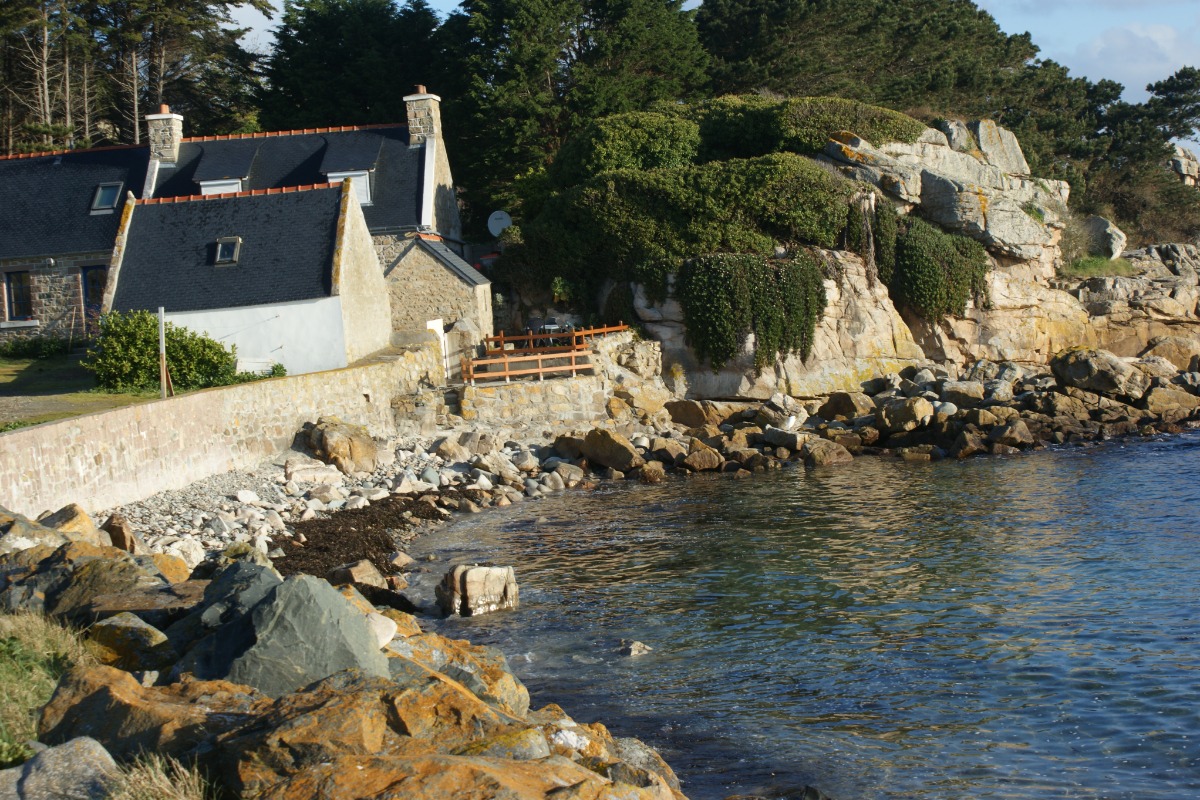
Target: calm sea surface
1024 627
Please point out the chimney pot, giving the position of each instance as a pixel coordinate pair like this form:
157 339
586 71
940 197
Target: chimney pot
164 109
421 88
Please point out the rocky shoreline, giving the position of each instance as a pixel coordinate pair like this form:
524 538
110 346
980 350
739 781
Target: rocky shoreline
205 605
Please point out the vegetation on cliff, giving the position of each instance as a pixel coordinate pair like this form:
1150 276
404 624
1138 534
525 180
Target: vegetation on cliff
726 296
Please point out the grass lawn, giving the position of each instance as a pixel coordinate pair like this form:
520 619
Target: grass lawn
46 389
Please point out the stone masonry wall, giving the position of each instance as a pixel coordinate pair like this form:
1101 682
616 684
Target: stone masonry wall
553 404
127 454
56 293
422 289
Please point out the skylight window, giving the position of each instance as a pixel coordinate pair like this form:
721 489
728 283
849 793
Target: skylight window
106 198
228 250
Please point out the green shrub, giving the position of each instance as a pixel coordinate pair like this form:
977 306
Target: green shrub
124 357
747 126
886 231
36 347
936 273
618 305
636 140
725 297
640 225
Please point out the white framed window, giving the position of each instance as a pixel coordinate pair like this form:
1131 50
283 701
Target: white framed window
228 250
221 187
362 183
105 200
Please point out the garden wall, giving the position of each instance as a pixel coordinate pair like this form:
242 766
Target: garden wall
114 457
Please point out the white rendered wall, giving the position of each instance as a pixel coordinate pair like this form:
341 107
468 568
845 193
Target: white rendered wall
305 336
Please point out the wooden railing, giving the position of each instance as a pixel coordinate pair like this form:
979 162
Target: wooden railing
525 365
507 356
574 338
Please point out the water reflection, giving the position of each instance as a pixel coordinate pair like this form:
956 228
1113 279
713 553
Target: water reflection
999 628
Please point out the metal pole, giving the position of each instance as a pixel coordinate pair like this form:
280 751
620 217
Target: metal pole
162 351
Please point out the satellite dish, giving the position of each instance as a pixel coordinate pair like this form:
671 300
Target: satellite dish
498 221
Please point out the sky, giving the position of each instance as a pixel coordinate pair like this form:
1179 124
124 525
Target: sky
1133 42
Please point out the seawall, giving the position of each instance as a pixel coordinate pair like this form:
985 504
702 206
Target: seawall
114 457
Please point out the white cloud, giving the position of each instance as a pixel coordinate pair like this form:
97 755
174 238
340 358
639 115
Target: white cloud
1136 54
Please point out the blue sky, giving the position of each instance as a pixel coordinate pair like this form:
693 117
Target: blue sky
1134 42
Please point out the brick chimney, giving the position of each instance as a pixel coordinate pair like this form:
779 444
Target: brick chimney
164 132
424 116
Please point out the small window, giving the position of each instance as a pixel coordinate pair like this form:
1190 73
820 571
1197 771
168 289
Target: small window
228 250
221 187
106 198
361 184
19 295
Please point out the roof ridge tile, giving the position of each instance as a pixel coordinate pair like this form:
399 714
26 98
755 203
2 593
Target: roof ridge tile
189 198
45 153
295 132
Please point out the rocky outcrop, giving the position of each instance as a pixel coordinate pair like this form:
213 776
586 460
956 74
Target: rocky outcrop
442 718
1185 165
984 193
860 335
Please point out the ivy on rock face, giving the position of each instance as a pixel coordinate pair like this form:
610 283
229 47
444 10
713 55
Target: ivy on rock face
936 273
726 297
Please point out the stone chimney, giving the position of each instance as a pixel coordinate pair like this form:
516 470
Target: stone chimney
424 116
164 132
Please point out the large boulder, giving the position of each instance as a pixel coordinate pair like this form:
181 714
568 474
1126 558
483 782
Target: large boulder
80 769
610 449
18 532
964 394
1179 350
128 718
469 591
1104 237
824 453
300 631
908 414
1099 371
999 147
484 670
1162 399
75 523
348 447
848 405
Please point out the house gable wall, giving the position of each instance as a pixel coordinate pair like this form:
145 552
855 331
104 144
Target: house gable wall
422 289
359 284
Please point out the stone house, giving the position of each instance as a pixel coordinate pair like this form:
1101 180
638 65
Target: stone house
288 276
59 214
399 173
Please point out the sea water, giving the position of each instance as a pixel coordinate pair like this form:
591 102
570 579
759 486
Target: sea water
1002 627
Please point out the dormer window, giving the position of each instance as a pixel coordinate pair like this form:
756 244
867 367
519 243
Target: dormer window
362 183
106 198
221 187
228 250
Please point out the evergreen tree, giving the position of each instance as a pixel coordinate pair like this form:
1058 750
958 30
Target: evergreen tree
522 75
340 62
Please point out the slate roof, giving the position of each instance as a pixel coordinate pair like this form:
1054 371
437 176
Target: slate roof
300 158
286 253
46 200
453 262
